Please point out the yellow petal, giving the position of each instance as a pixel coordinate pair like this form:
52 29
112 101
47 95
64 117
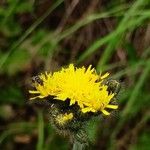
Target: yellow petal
112 106
33 98
105 75
34 92
105 112
40 96
87 109
72 101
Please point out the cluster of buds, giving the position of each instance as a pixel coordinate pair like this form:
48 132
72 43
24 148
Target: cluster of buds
75 95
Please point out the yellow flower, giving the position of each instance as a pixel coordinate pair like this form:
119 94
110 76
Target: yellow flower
62 119
80 86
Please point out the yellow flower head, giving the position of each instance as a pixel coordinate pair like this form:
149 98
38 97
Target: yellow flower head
81 86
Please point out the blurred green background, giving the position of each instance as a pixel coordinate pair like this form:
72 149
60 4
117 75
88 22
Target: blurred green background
39 35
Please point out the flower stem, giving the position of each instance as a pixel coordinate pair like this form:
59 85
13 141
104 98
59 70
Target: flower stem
78 146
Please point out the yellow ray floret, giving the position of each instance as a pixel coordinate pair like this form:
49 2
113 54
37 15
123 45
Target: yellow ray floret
82 86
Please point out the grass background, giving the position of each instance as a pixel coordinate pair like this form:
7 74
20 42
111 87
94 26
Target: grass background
39 35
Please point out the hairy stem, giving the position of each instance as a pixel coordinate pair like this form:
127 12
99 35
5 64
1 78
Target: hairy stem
78 146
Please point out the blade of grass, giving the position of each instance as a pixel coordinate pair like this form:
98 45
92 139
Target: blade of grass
29 31
120 29
40 143
128 108
133 69
128 17
112 66
113 12
83 22
108 52
136 90
89 19
79 24
69 31
106 39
